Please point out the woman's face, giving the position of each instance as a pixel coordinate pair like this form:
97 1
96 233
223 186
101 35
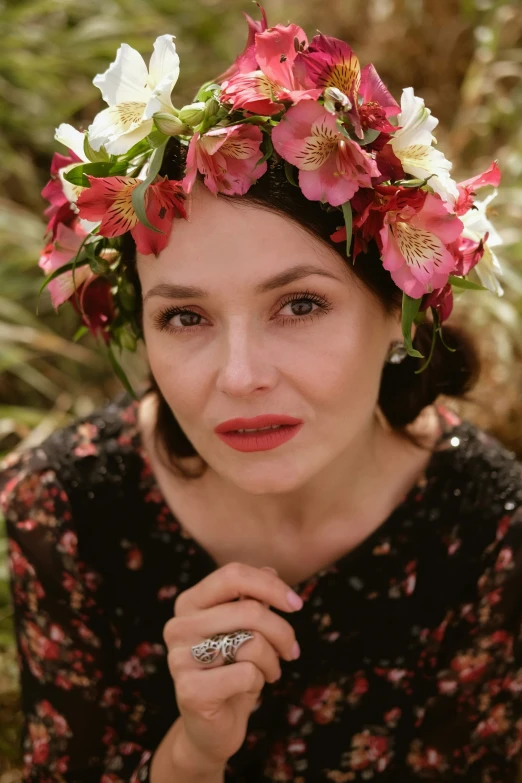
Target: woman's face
313 348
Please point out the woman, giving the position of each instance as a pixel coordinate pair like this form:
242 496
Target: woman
149 548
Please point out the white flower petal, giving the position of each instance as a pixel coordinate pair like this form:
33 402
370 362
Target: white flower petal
71 192
420 161
115 121
88 225
487 269
73 139
119 145
160 100
126 78
164 61
417 122
476 223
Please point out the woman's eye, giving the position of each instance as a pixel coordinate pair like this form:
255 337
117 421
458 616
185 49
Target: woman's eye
302 306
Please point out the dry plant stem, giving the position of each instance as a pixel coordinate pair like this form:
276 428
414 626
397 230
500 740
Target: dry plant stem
176 761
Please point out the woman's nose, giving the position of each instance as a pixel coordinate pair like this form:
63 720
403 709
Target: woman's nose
243 363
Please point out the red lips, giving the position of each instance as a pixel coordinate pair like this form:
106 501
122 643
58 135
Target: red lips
265 420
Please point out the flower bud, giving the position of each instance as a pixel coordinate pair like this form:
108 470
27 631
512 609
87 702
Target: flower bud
193 114
336 101
211 108
169 124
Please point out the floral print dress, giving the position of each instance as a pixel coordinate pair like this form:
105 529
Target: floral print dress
411 663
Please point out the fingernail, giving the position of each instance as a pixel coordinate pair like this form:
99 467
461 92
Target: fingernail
296 651
269 568
294 600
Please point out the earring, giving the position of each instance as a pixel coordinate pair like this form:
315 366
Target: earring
396 353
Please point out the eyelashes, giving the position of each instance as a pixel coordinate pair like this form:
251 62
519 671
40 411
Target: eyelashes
163 318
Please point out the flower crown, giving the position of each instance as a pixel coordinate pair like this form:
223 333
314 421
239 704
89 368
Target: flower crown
343 139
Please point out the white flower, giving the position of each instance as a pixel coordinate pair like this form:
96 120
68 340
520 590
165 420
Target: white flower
73 139
412 145
476 225
134 94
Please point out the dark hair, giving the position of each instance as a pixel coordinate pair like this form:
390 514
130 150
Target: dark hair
403 394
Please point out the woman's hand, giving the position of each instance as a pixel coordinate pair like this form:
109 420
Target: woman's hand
215 700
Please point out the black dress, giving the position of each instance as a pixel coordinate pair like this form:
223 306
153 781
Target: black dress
411 663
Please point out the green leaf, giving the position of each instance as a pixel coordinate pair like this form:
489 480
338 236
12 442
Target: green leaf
120 372
79 333
348 221
461 282
410 308
269 150
95 156
78 175
289 171
139 192
433 341
370 135
342 129
156 138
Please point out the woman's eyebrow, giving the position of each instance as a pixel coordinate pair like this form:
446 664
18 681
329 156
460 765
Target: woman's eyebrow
172 291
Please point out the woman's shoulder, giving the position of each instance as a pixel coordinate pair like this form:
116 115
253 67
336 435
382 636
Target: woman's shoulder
101 447
476 460
474 489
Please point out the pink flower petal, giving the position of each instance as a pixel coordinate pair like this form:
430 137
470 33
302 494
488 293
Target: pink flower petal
467 188
164 203
252 92
109 199
329 62
373 90
227 157
275 52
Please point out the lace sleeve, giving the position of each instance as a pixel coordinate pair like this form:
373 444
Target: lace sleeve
473 664
75 728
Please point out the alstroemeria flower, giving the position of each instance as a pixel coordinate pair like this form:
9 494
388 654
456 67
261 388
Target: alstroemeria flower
468 188
96 305
331 167
441 300
414 244
227 157
412 144
260 91
330 62
74 140
60 193
134 94
60 252
109 199
479 229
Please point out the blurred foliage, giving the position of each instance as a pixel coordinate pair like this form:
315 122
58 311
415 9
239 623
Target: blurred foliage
463 56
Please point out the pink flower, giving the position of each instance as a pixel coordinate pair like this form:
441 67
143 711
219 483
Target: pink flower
467 253
56 254
95 304
331 167
415 245
330 62
442 300
260 90
227 157
59 210
109 199
468 188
